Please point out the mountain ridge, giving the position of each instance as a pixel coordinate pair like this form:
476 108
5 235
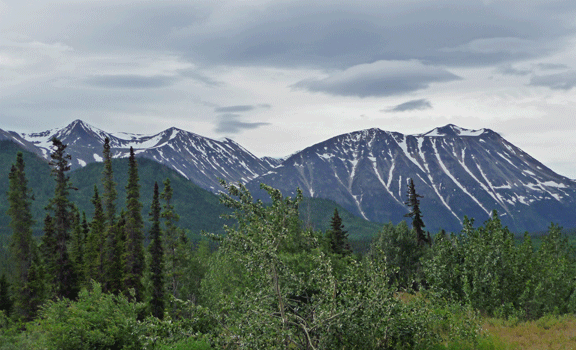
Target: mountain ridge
200 159
459 171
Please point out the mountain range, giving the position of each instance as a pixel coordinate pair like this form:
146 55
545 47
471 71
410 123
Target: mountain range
457 171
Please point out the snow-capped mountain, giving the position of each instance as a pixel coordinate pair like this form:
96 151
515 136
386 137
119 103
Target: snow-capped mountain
199 159
458 171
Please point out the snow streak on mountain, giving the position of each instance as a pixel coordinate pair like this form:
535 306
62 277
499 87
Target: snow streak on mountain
458 171
199 159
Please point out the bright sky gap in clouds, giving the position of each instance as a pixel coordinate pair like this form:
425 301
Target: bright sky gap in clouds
280 75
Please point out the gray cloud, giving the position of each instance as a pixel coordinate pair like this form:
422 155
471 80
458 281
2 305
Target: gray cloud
312 33
559 81
509 70
412 105
130 81
378 79
229 124
551 66
234 109
206 80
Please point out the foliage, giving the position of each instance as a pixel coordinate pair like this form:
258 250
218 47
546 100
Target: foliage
486 269
336 237
157 259
96 321
110 192
134 251
279 289
65 282
417 224
397 246
94 260
22 246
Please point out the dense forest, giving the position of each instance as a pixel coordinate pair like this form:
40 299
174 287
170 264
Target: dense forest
265 280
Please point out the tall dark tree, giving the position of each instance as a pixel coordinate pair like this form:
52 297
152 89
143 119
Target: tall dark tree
113 255
5 298
175 243
65 278
47 249
94 264
336 236
110 193
134 248
416 215
156 258
113 241
78 245
22 244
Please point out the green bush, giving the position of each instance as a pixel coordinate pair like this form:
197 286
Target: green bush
96 321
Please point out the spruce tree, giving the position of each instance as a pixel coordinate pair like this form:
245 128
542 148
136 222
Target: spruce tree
47 249
156 258
110 192
175 242
416 215
113 255
5 298
94 264
134 248
22 243
337 237
76 246
65 278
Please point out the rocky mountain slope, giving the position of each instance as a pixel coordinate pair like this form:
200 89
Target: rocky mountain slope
197 158
458 171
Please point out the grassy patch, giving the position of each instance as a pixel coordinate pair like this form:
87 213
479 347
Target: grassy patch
548 332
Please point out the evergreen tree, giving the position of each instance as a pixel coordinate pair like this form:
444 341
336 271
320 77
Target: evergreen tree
77 246
94 264
37 285
336 236
110 192
47 249
416 215
157 258
113 253
134 249
22 244
65 278
5 299
175 243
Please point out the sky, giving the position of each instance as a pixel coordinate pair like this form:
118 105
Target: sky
278 76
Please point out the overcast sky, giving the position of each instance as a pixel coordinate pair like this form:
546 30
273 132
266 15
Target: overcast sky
278 76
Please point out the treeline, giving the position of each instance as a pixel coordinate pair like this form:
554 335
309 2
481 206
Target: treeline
273 283
109 249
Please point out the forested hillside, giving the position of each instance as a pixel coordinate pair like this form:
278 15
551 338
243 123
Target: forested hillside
199 209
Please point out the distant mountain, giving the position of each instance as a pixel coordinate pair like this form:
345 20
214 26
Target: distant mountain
197 158
458 171
199 209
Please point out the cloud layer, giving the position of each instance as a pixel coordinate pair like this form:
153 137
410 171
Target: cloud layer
383 78
413 105
326 66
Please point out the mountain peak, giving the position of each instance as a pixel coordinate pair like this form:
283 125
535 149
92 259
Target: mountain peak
453 130
78 123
